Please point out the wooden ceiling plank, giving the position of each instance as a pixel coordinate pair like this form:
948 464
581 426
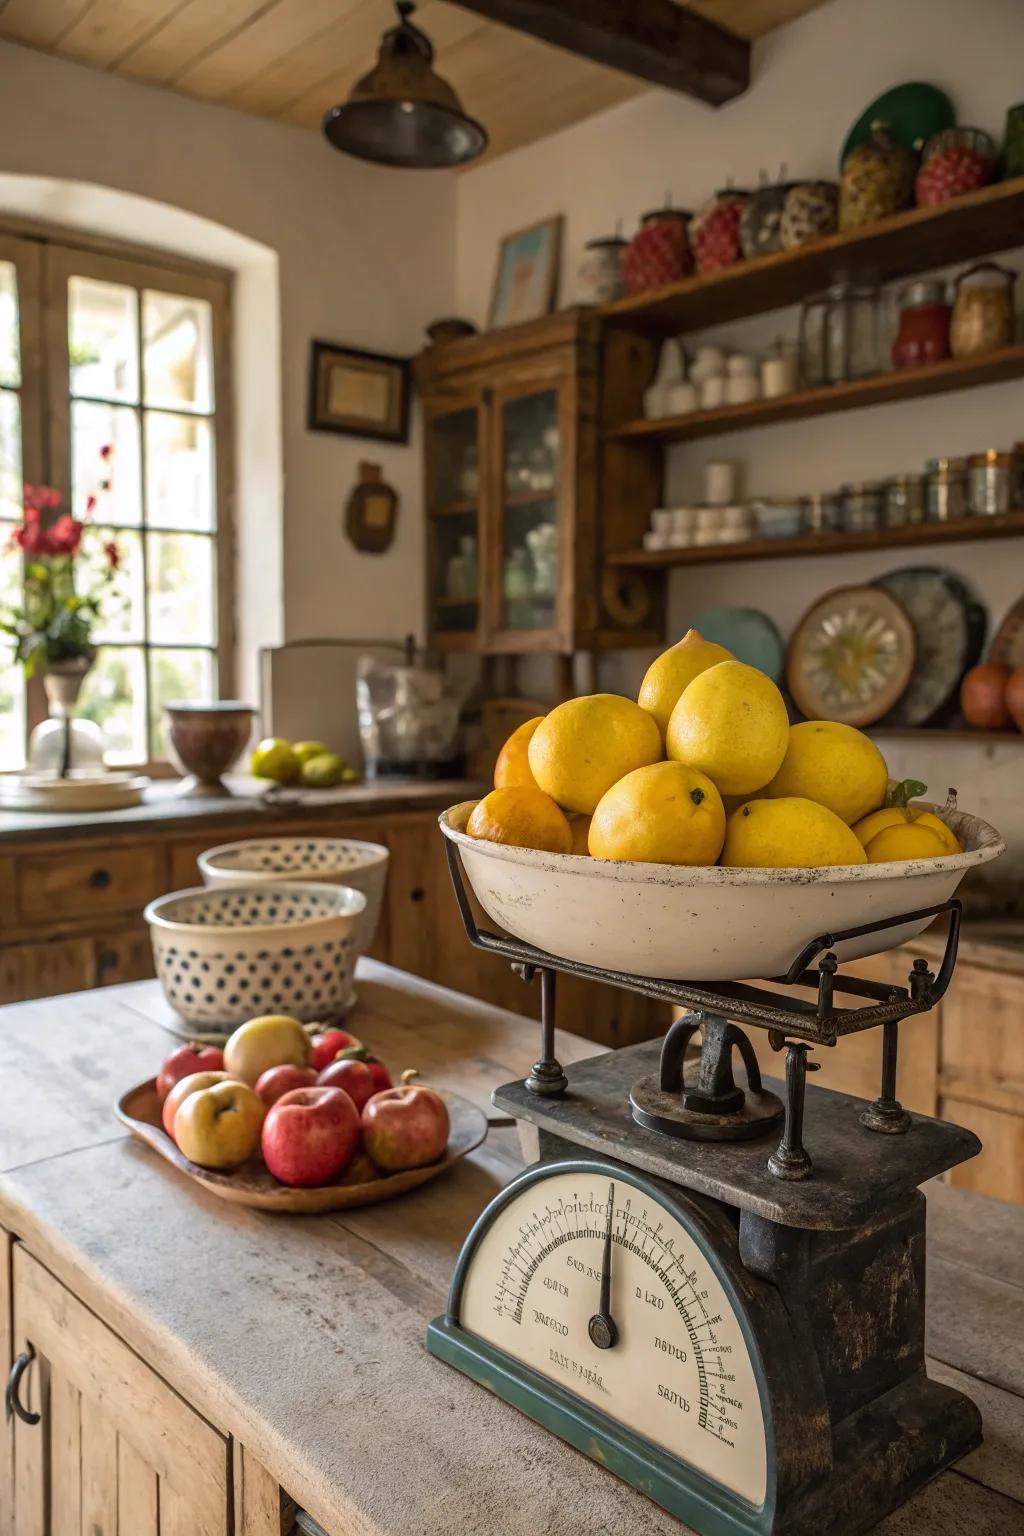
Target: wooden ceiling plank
345 41
656 40
186 36
227 67
109 29
39 23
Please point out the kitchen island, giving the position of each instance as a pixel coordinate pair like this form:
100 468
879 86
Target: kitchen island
204 1369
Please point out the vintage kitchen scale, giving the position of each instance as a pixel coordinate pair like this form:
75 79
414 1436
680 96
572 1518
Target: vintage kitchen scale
719 1304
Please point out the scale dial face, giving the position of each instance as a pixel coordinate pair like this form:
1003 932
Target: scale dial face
677 1372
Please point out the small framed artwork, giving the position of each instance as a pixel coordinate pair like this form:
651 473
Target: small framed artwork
526 278
360 394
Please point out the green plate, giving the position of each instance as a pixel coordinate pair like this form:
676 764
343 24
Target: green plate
914 111
748 633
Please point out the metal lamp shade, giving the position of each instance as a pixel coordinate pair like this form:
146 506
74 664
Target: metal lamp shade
402 113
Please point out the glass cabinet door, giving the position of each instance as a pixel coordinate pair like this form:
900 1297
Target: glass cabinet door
453 497
528 493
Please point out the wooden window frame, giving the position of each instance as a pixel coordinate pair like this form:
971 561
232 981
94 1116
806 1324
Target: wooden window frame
44 257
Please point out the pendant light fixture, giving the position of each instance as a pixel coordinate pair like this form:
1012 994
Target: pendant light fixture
402 113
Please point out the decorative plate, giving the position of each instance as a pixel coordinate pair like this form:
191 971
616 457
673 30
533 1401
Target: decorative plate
252 1184
1008 645
911 112
851 656
749 634
950 634
82 790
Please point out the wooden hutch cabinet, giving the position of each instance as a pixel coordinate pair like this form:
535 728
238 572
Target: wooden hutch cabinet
518 528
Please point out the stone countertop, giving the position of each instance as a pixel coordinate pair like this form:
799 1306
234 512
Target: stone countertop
304 1337
164 809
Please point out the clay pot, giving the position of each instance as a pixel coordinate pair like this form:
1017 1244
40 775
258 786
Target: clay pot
204 740
1014 697
983 696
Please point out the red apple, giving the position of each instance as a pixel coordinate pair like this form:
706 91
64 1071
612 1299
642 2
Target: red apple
354 1076
327 1045
277 1081
310 1136
180 1092
187 1059
381 1075
405 1128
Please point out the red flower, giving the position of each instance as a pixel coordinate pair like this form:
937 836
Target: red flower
113 555
106 450
31 539
65 536
90 505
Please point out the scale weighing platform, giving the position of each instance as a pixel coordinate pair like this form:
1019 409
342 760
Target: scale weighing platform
718 1304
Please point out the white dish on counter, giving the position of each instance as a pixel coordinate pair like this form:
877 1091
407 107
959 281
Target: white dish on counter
82 790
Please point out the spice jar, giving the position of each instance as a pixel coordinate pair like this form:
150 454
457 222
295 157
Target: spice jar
761 219
822 513
877 179
862 505
601 278
945 489
811 210
659 252
904 500
955 161
989 481
923 330
982 319
716 230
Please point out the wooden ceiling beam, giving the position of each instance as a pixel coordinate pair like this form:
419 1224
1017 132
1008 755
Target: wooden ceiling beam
656 40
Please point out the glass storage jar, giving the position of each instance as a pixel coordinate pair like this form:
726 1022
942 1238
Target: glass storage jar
862 505
904 500
989 481
983 318
923 331
822 512
945 489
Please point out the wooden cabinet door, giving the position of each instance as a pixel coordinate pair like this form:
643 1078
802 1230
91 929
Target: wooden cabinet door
116 1452
46 970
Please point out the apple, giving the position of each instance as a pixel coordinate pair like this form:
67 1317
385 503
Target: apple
327 1045
405 1127
276 1081
354 1076
193 1057
273 1040
219 1127
181 1091
310 1136
381 1075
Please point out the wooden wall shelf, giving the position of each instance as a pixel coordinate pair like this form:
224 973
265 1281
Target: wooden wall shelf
901 384
959 530
917 240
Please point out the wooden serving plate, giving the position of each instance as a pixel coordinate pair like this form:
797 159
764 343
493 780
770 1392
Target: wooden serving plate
139 1110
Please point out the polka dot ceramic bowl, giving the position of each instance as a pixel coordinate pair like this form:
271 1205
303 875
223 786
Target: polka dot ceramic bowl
224 956
328 860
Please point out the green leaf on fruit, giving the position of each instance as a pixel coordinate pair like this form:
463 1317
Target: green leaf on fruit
906 790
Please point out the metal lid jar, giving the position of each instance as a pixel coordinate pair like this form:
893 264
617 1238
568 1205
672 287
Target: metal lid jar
904 500
989 483
945 489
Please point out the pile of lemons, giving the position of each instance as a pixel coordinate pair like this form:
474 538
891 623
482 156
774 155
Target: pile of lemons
704 768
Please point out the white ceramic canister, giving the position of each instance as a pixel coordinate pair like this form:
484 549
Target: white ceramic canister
719 482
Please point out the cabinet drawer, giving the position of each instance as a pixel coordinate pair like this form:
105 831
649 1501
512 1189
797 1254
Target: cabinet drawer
56 885
998 1169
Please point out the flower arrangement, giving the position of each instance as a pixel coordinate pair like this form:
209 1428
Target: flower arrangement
53 623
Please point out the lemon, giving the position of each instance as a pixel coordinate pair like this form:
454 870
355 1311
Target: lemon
790 833
911 841
304 750
522 818
275 759
731 723
579 826
903 816
512 770
835 765
664 814
668 675
586 745
322 771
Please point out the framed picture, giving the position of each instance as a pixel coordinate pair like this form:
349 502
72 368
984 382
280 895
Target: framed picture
526 278
361 394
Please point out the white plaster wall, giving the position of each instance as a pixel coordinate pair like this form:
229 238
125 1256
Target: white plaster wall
811 80
363 257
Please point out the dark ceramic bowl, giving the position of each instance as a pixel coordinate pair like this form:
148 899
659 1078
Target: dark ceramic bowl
204 740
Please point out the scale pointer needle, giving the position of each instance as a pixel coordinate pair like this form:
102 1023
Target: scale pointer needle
601 1328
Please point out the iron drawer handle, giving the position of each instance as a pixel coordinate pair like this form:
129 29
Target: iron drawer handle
417 893
99 879
12 1403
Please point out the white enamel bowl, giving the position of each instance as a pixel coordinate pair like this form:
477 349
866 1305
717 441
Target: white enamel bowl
230 955
675 923
326 860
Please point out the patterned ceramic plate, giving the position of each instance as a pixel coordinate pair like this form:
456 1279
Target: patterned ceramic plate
749 634
950 634
1008 645
851 656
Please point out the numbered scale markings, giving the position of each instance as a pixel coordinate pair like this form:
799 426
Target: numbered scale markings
598 1285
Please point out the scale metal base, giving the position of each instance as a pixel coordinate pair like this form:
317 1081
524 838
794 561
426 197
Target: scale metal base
810 1409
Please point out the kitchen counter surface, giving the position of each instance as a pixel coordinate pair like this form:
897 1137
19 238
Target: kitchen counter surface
164 809
303 1338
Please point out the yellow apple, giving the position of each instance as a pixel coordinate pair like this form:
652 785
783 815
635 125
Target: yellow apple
219 1127
273 1040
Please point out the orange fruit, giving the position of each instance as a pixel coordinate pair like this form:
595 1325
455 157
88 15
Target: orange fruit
512 770
521 818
